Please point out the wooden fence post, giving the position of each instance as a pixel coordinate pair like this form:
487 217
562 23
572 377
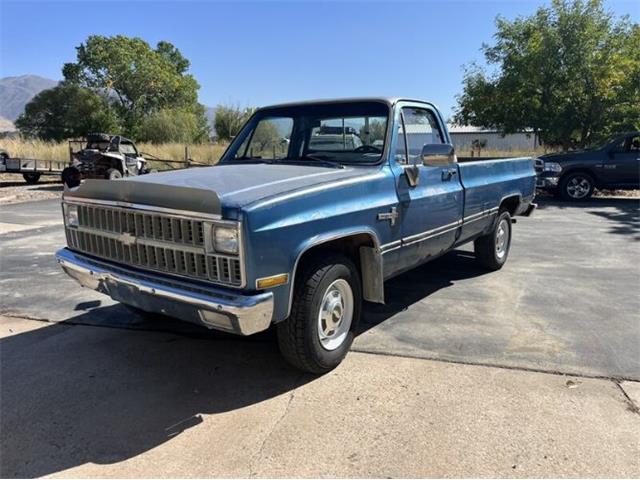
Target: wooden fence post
187 161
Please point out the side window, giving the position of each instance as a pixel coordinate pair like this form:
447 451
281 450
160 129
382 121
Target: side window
634 145
421 128
620 147
128 149
269 140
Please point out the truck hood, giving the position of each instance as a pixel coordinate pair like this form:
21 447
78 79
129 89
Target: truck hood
210 189
562 157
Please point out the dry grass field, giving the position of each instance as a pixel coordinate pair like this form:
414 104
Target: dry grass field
202 153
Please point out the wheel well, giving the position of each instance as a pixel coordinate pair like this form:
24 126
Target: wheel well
511 204
367 261
348 246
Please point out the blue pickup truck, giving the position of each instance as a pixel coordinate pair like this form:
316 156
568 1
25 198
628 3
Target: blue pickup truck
292 229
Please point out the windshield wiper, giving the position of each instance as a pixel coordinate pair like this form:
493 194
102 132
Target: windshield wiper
249 160
319 159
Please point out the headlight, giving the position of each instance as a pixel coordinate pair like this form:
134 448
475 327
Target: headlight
70 215
552 167
225 239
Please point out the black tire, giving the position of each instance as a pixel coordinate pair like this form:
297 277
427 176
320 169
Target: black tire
71 177
31 178
113 174
486 247
298 336
576 187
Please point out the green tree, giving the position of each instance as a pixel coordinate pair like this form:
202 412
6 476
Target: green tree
66 111
229 120
377 130
571 71
266 136
173 125
138 79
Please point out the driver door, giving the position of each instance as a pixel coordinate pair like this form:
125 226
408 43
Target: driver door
430 211
622 168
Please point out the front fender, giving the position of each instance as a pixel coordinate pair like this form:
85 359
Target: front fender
278 234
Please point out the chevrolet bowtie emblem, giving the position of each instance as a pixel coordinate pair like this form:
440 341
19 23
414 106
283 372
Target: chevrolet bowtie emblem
127 239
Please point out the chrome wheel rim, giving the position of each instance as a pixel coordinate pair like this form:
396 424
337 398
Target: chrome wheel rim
336 314
578 187
502 238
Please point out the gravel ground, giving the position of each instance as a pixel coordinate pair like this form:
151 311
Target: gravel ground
13 189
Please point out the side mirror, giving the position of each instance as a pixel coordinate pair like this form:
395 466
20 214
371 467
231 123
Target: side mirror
438 154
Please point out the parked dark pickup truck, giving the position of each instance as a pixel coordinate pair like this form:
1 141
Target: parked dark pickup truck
292 232
574 175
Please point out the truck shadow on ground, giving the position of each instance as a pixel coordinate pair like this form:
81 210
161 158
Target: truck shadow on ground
403 291
105 394
72 395
623 213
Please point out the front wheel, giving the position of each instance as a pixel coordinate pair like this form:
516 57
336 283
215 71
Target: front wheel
113 174
325 314
576 186
492 250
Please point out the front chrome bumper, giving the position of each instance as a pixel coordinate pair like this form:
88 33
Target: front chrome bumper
212 307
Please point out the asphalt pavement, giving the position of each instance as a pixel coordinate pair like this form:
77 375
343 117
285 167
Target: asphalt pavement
531 371
567 300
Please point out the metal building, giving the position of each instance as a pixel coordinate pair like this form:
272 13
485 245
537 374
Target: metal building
464 138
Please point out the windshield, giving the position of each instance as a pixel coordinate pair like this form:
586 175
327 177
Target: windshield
604 143
344 133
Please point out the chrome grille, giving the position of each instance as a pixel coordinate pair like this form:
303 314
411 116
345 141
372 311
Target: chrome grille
147 225
154 241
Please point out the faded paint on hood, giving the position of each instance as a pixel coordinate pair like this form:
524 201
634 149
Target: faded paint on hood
240 185
219 190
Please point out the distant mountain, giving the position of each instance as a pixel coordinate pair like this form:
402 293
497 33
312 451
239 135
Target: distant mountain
210 113
16 92
6 125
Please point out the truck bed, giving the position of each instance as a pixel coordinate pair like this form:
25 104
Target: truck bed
487 182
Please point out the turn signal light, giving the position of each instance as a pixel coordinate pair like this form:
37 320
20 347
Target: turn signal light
272 281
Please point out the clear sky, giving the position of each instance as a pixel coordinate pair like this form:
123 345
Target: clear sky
256 53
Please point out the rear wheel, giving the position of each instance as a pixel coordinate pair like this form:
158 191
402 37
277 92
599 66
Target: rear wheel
31 178
576 186
325 315
113 174
492 250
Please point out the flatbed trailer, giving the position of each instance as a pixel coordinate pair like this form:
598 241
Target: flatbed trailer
32 169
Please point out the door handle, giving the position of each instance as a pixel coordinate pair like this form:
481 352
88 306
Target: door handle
448 173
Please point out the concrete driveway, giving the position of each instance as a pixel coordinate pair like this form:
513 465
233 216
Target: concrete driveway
530 371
